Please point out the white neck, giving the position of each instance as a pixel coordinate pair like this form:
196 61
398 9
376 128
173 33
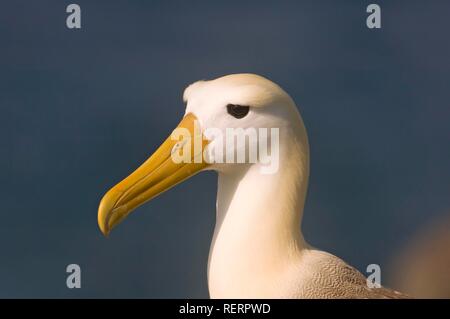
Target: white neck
257 234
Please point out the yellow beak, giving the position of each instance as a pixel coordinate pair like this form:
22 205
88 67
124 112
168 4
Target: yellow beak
156 175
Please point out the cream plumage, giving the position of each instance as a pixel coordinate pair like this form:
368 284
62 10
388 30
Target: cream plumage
258 250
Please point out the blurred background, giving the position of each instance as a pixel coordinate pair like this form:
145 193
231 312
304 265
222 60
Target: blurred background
80 109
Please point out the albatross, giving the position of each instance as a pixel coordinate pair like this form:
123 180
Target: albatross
257 250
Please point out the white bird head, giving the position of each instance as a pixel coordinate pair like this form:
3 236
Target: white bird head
239 106
233 105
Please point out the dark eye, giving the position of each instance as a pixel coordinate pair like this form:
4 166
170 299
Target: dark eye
238 111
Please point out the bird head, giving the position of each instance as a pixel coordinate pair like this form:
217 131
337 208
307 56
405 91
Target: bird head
230 122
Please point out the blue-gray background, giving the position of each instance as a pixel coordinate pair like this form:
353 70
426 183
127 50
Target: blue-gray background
81 108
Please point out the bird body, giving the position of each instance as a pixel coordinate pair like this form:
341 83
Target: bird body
257 250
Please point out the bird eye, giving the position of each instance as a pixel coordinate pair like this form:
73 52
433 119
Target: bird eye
238 111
